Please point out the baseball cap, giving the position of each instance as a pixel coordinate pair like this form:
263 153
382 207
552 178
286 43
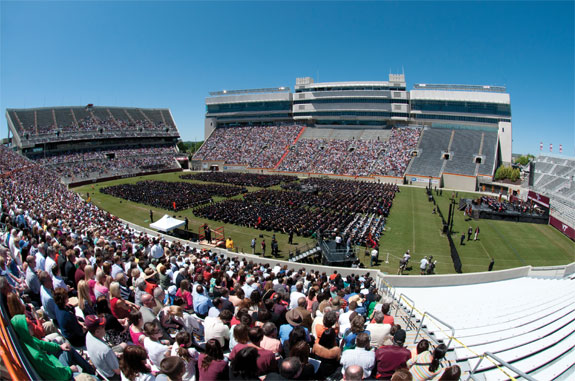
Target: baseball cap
399 336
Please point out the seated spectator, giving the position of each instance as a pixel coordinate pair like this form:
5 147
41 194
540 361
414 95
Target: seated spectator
266 361
117 331
305 314
270 340
244 364
133 364
329 320
353 373
42 354
294 319
101 355
202 303
344 318
301 350
328 352
84 300
218 328
183 349
171 319
212 365
67 321
350 335
421 347
360 355
147 308
427 364
101 288
378 330
17 307
57 279
290 369
451 373
136 328
389 358
172 368
239 335
185 294
120 308
402 374
156 350
296 335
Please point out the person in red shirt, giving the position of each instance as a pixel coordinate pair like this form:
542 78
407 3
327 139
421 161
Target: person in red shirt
389 358
266 361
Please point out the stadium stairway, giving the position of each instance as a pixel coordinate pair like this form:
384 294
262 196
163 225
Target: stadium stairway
305 254
287 150
526 322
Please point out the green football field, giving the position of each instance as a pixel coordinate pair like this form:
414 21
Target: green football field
411 225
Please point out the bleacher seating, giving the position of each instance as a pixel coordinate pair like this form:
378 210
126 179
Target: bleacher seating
488 152
355 157
465 146
429 161
257 146
527 322
554 177
110 162
40 125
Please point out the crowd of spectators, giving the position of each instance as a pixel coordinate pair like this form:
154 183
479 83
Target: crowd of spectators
86 294
171 195
101 163
254 146
240 179
81 120
353 157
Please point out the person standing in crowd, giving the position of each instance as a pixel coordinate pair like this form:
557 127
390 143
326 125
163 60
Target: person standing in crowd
374 256
423 265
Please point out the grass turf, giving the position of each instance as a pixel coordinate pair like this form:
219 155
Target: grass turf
411 225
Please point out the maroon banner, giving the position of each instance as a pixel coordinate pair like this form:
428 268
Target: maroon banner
540 199
562 227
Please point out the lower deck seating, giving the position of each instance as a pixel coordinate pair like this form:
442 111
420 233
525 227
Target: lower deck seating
527 322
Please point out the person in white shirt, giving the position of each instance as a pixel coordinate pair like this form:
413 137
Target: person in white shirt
344 322
156 350
295 295
101 355
423 265
359 356
378 331
217 328
157 251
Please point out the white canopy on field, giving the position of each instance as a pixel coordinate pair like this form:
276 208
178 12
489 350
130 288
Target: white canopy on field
167 223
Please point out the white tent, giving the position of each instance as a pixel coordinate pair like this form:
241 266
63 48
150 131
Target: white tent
167 223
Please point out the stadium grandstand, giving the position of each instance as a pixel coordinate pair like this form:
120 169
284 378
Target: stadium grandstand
554 178
95 142
451 136
195 312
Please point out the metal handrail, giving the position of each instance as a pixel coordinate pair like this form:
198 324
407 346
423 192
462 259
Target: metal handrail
439 320
502 362
399 301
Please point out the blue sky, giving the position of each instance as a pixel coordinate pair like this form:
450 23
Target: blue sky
171 54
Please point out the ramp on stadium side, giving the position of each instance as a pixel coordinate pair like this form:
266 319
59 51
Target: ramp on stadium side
453 158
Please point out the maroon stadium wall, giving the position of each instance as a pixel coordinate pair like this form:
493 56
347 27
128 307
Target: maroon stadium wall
562 227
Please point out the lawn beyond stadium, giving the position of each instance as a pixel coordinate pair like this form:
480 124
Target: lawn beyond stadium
411 225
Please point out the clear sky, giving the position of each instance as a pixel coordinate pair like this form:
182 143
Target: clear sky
171 54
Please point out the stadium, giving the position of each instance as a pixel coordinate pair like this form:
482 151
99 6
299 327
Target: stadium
334 182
